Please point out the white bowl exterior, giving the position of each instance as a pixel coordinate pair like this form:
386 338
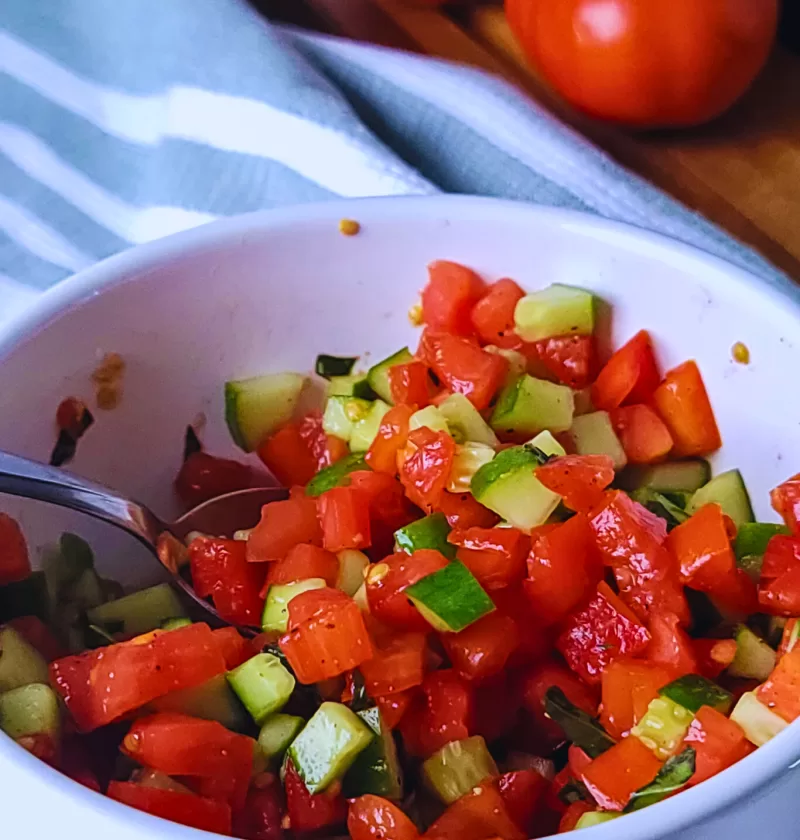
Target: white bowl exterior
270 291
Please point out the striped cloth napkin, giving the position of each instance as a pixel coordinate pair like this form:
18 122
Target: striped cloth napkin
122 121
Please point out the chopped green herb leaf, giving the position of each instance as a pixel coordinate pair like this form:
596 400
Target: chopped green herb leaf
582 729
675 773
329 366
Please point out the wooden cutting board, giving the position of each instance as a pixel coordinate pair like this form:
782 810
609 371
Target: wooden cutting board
742 171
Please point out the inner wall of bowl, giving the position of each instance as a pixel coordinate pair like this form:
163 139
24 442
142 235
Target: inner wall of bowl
270 298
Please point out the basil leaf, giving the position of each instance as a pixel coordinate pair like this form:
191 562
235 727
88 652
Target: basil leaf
329 366
582 729
669 507
675 773
541 457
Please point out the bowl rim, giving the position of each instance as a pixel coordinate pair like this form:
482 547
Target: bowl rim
657 821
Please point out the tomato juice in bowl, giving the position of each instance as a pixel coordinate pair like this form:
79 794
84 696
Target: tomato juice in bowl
271 292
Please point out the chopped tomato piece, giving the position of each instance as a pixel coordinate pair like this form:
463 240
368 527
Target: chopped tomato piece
522 792
482 649
480 815
410 384
448 298
605 630
325 449
573 814
391 438
425 465
283 525
781 691
493 314
326 635
615 775
14 561
203 477
304 561
286 455
394 706
232 645
631 538
497 702
785 500
184 808
570 358
496 556
718 742
312 812
101 685
535 640
442 712
344 517
37 634
579 479
564 568
629 376
374 818
464 368
75 762
577 760
179 745
670 646
262 815
703 549
464 511
388 508
398 664
628 687
220 571
644 437
682 401
779 587
713 655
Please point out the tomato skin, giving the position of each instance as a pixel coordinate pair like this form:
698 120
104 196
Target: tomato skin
642 433
579 479
426 463
442 712
184 808
479 815
703 549
614 776
670 646
628 686
629 376
344 518
203 477
779 587
713 655
286 455
410 384
781 691
493 315
282 526
304 561
718 743
463 511
659 64
522 792
374 818
684 406
482 649
495 556
311 812
385 588
449 296
260 818
394 706
570 358
391 438
785 500
325 449
234 648
572 815
15 564
388 508
398 663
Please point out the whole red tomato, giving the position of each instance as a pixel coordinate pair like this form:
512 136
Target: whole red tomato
647 63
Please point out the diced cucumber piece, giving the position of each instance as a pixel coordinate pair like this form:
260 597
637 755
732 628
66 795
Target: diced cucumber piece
377 769
365 430
335 474
30 710
276 607
451 598
465 422
378 375
517 363
175 623
758 723
457 767
507 485
754 658
263 685
277 733
593 818
469 458
25 597
693 691
211 700
353 567
361 598
672 477
329 366
328 745
256 407
528 405
355 385
428 532
430 417
86 592
728 491
673 776
556 310
546 443
751 543
20 663
139 612
593 434
341 414
663 726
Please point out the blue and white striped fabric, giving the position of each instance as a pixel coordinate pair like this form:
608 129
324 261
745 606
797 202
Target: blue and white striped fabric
122 121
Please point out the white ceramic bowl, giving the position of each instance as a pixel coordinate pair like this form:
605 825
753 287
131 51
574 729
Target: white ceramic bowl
271 290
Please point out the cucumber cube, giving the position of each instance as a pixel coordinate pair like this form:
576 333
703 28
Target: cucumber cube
729 492
465 422
263 685
469 458
593 434
20 663
693 691
277 733
528 405
276 607
451 598
430 417
175 623
378 375
428 532
211 700
556 310
458 767
593 818
365 430
30 710
754 658
341 413
139 612
353 565
377 769
354 385
751 543
673 477
328 745
758 723
663 727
